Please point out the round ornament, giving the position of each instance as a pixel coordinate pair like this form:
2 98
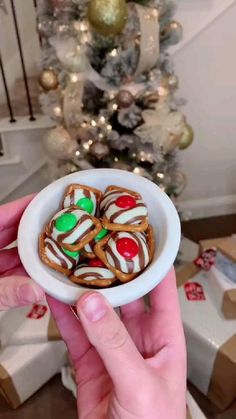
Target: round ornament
172 32
127 248
48 80
59 144
187 137
99 150
124 99
108 17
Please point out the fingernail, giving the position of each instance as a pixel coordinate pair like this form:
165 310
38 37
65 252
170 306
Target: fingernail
28 293
93 307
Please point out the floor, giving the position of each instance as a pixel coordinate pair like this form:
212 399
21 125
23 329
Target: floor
55 402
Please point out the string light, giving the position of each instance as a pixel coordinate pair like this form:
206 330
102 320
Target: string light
102 119
93 123
114 106
114 52
57 111
74 77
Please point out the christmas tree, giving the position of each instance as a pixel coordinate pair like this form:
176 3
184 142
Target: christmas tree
108 82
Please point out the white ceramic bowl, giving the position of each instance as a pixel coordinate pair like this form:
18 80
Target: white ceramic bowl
162 214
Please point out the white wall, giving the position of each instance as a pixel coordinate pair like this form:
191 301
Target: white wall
27 22
206 66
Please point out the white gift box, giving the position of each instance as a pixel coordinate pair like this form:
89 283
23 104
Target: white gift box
38 326
222 280
10 321
211 339
24 369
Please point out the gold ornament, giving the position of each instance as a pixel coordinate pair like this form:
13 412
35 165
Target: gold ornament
124 99
48 80
187 137
171 81
59 144
108 17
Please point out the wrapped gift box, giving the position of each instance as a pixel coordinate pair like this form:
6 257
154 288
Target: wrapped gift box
193 410
24 369
211 339
38 326
223 274
10 321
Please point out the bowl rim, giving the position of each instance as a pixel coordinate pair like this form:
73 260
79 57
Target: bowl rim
131 290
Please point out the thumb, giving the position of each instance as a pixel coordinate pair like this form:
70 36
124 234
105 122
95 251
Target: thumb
16 291
109 336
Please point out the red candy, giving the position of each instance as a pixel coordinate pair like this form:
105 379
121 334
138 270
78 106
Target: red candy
125 201
127 247
96 263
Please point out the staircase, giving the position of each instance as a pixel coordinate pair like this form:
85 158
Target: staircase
22 158
206 68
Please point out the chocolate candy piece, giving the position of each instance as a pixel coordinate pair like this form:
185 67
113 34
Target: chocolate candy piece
73 228
57 258
93 276
123 210
118 251
82 196
127 252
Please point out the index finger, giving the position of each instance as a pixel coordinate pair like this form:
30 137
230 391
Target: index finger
165 297
10 215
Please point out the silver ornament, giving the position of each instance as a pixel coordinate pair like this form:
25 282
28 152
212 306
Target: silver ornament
124 99
172 32
99 150
59 144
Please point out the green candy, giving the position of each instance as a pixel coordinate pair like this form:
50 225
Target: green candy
86 204
66 222
71 254
101 234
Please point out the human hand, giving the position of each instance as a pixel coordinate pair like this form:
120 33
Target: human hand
15 287
130 369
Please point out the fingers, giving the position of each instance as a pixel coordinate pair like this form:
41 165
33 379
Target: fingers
9 259
165 297
133 309
10 215
18 291
70 329
109 336
166 315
